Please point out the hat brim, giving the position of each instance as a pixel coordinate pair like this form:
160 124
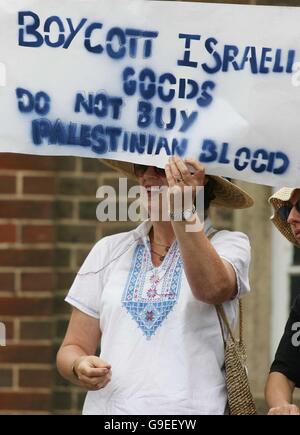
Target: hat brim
278 200
227 194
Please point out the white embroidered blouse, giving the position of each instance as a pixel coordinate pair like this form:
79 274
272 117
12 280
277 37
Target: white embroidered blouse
164 346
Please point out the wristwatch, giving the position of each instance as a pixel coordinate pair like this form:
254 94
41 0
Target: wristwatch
183 215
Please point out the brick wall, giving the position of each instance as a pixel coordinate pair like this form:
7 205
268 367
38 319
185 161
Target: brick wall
47 226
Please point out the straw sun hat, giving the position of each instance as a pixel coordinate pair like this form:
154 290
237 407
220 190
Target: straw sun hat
227 194
277 200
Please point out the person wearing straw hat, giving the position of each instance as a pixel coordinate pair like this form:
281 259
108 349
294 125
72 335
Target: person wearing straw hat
285 370
149 297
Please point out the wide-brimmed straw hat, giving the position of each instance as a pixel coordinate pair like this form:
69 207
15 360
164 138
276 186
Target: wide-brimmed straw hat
277 200
226 193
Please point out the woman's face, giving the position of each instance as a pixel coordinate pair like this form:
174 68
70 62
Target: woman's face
294 216
155 183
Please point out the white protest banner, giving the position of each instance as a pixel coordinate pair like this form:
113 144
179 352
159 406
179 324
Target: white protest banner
142 80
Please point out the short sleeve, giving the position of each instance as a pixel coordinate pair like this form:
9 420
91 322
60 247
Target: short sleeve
288 353
234 247
86 289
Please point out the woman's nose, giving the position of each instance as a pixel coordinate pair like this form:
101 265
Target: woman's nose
294 216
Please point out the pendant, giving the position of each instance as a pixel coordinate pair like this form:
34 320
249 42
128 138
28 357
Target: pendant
162 258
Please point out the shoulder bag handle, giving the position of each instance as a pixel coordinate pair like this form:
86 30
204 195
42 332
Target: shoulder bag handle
222 315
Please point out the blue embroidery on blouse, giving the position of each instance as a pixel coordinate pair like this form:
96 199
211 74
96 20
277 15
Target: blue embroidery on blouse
151 293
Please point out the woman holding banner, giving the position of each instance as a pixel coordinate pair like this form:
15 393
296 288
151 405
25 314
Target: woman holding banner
285 370
149 295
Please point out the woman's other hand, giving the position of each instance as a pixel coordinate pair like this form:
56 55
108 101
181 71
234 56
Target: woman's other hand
92 372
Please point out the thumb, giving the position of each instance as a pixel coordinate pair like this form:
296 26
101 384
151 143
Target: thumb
99 363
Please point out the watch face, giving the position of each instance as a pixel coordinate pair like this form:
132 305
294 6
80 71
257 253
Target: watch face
187 214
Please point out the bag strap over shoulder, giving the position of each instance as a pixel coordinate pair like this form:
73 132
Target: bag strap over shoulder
224 321
223 318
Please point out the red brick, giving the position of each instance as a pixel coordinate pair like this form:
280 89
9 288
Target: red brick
38 234
25 401
66 163
77 186
7 282
25 354
81 255
60 306
63 209
65 280
26 209
39 185
35 378
33 330
41 282
94 165
6 378
10 329
26 162
25 306
76 233
7 184
62 400
36 163
35 258
27 258
7 233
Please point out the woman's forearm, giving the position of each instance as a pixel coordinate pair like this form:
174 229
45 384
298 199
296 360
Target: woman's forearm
279 390
206 273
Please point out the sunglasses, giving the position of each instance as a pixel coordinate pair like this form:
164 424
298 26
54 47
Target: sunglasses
139 170
285 210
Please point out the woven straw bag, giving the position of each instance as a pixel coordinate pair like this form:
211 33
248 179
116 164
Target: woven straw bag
240 399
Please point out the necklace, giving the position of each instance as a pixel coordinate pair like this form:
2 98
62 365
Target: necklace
161 257
159 244
167 247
